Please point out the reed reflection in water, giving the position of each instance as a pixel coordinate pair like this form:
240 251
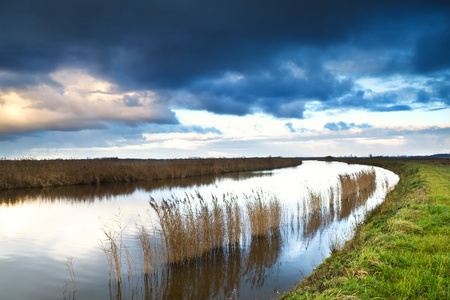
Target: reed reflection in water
218 274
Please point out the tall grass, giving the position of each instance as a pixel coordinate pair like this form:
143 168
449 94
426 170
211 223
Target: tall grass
117 254
264 212
25 173
233 217
149 251
192 226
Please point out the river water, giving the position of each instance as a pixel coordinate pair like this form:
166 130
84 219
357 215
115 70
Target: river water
41 228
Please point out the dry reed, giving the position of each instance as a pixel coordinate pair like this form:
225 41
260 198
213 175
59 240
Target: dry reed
192 226
194 229
145 241
233 219
263 214
25 172
117 253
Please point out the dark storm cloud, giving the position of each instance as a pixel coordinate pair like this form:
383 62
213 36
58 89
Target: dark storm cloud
375 102
423 96
18 80
340 126
432 51
440 89
437 90
12 137
188 47
392 108
277 91
8 137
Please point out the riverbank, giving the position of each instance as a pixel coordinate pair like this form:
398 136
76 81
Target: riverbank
400 251
29 173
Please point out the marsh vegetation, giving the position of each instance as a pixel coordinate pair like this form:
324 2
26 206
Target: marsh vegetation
196 229
26 172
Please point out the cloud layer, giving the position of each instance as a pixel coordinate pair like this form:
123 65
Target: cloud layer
234 57
126 66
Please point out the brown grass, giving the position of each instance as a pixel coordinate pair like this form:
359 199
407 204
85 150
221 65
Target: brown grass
145 241
192 226
264 212
25 173
117 253
233 219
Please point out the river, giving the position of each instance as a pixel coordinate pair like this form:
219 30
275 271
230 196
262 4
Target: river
41 228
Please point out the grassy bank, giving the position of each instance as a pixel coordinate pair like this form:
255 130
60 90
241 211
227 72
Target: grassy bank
401 250
26 173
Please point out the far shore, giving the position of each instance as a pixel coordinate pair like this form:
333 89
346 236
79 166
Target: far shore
32 173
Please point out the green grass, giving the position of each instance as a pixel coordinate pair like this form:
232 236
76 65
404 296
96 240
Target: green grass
401 251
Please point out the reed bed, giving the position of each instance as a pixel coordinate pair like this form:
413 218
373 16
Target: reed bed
26 173
191 226
233 217
194 228
263 214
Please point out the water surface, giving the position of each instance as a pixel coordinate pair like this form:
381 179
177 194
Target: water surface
40 228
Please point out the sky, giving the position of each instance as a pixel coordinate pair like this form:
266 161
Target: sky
235 78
